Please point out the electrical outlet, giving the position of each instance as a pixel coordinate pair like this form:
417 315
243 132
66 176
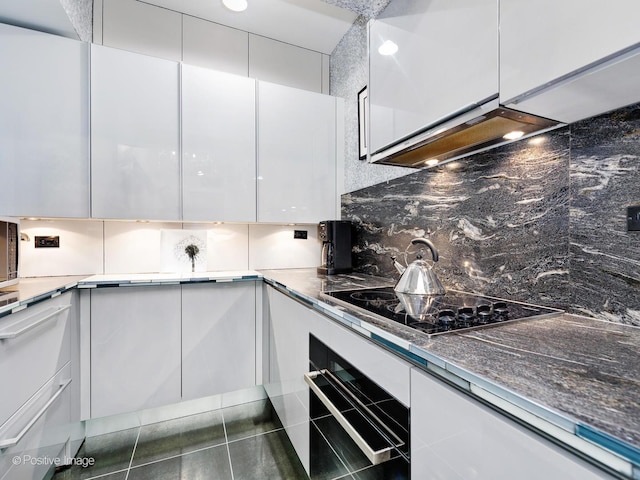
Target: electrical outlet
47 242
633 218
301 234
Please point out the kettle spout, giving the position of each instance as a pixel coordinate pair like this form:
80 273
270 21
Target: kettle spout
398 266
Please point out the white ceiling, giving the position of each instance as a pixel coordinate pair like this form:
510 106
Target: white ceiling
311 24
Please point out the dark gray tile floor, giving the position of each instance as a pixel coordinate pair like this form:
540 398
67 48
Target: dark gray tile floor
236 443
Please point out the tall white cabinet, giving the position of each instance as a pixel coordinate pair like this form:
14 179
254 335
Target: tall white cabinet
44 125
135 154
218 146
296 155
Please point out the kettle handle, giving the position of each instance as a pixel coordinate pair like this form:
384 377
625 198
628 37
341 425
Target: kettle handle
426 242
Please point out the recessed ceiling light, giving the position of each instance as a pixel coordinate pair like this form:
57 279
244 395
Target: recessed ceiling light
235 5
431 162
388 48
513 135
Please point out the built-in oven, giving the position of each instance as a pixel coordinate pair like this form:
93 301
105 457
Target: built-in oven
356 426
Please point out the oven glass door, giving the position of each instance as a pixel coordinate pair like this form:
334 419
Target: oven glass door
364 426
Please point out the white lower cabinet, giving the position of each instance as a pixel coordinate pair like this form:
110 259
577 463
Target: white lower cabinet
157 345
135 348
456 437
289 325
39 405
218 338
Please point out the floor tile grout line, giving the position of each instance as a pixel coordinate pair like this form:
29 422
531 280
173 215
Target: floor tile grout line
171 457
226 440
135 445
256 435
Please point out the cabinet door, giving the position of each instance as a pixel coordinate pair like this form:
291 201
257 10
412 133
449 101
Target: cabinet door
296 155
35 344
543 40
289 327
218 146
446 62
135 158
456 437
135 348
44 125
218 338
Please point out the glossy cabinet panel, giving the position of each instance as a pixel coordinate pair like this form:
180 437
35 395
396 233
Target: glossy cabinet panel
211 45
288 330
135 348
218 338
219 146
544 40
284 64
44 125
296 155
140 27
135 162
446 61
456 437
44 442
37 344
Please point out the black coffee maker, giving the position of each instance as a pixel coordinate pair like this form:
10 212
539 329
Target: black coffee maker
336 247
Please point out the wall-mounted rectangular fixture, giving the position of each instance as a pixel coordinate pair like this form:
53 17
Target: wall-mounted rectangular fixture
446 142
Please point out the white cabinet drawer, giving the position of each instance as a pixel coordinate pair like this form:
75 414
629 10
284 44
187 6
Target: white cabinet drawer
36 435
34 344
382 367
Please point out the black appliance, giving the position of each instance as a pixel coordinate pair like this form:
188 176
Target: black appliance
453 312
356 426
336 247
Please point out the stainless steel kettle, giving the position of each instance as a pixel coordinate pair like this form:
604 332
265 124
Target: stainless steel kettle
418 278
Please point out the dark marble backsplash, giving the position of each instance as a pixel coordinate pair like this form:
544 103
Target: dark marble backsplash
541 221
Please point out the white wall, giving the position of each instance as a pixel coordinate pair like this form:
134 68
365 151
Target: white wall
151 30
90 247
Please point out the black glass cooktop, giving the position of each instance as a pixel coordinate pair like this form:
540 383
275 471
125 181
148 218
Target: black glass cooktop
437 314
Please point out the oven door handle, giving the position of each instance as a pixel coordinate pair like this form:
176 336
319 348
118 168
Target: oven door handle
374 456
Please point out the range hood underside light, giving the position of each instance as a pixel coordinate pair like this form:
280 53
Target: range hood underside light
477 134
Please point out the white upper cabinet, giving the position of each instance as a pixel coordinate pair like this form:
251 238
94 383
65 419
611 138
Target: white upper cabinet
139 27
296 155
218 146
446 63
567 62
211 45
44 125
543 40
135 161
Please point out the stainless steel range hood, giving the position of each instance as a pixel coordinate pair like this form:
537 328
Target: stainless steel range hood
477 129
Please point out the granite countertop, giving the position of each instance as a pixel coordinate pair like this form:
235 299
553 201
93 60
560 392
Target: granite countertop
574 378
